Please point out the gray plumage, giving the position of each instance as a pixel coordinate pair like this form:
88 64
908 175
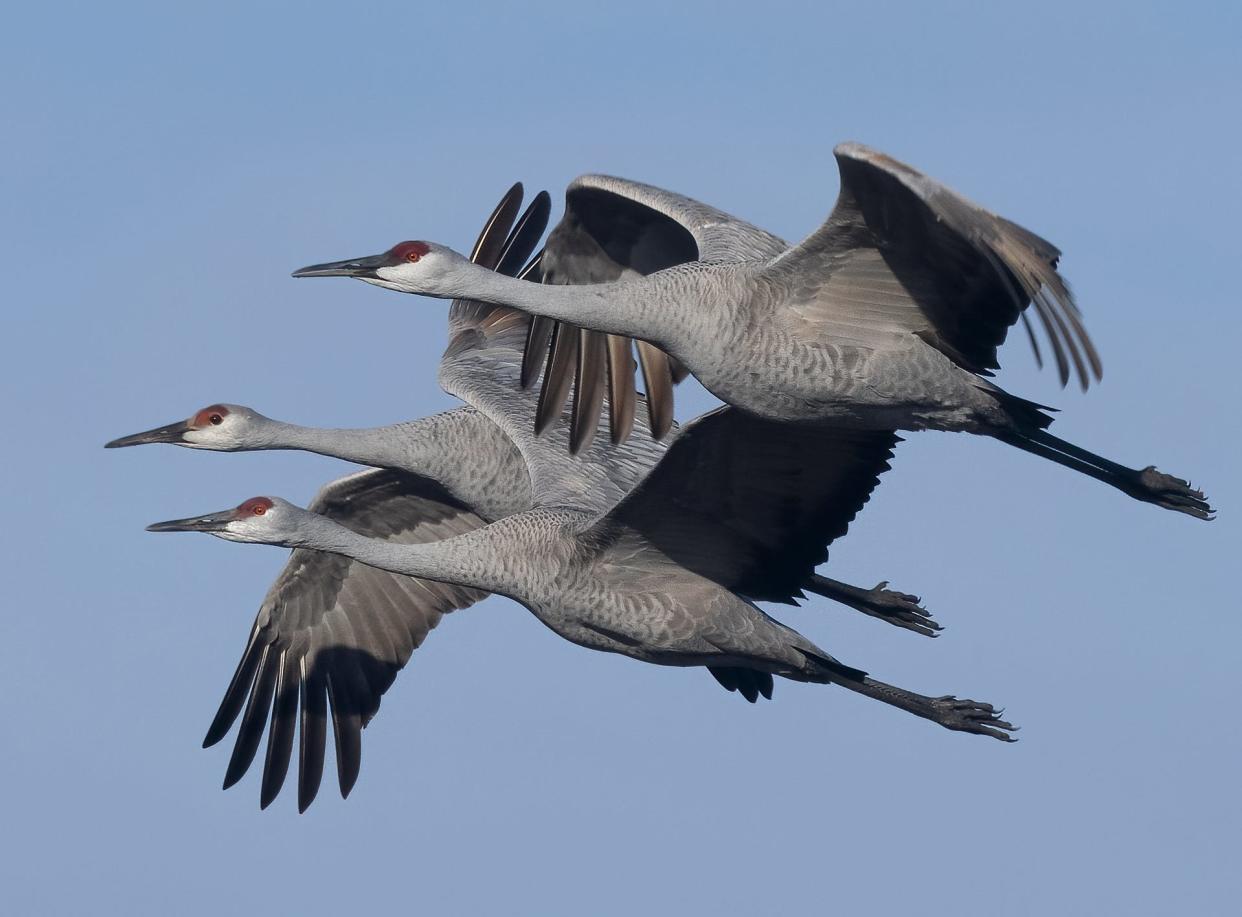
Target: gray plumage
331 628
341 629
886 317
604 582
615 229
664 571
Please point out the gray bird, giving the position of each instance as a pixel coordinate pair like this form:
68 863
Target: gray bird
887 317
329 622
654 577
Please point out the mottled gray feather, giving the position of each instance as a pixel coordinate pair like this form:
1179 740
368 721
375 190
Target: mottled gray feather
613 229
901 250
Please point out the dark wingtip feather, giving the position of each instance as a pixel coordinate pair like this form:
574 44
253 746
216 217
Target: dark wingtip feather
1030 335
235 694
588 389
525 235
534 270
250 733
622 401
538 340
1046 303
558 378
487 248
538 331
347 734
313 736
658 380
1065 297
1022 299
281 732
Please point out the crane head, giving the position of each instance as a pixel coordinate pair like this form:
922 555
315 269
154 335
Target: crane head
259 520
218 427
408 267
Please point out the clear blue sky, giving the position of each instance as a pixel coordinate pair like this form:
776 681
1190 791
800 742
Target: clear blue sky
161 174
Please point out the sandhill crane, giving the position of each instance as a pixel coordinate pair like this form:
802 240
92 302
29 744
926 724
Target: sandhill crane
887 316
641 580
332 626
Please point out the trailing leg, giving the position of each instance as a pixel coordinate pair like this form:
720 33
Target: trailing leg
897 608
1146 484
948 711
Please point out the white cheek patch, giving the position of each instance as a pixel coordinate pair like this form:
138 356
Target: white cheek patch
409 277
392 277
380 282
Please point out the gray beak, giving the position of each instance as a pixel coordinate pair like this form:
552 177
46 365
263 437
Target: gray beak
212 522
354 267
172 433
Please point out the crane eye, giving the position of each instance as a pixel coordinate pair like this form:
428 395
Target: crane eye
255 506
409 251
213 414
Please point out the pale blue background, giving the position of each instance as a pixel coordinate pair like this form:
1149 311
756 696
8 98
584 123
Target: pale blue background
161 174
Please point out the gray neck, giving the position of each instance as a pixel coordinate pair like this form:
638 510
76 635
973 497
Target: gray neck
470 560
642 307
460 449
405 446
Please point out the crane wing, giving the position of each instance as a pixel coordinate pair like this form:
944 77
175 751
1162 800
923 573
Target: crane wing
482 367
904 251
613 229
753 504
333 633
505 244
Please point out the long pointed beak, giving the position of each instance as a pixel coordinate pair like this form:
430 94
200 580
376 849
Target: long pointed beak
170 433
212 522
354 267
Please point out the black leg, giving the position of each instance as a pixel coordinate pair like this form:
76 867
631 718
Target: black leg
1147 484
950 712
897 608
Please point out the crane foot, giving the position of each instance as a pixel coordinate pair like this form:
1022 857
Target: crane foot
1162 489
972 716
900 609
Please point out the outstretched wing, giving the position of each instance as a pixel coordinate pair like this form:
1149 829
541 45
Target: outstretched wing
505 244
334 633
901 249
753 504
482 366
613 229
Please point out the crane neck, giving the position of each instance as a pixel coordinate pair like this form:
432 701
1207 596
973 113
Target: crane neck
387 446
460 449
475 560
643 307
